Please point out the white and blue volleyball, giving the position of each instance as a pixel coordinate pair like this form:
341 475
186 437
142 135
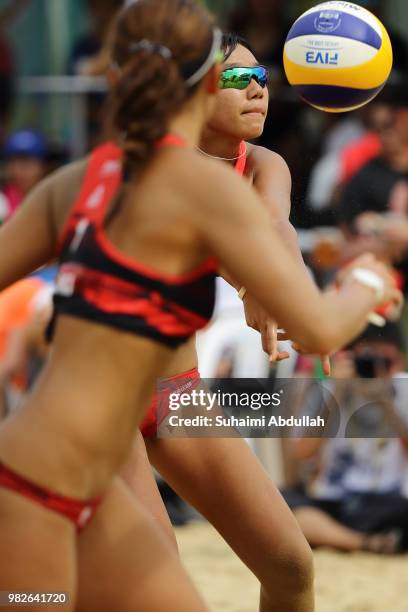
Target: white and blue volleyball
338 56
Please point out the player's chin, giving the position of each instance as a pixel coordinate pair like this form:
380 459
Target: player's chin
252 125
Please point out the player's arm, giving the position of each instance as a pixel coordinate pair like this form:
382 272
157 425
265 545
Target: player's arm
235 226
273 183
29 239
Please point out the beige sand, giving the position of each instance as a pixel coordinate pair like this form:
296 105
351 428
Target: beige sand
344 583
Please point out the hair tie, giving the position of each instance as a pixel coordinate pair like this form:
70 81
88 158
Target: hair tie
151 47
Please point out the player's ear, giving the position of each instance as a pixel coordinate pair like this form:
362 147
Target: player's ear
213 79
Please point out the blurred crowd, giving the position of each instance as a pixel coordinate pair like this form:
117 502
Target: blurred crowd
350 195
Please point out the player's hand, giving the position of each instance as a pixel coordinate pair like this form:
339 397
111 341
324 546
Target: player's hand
258 319
325 359
393 298
274 352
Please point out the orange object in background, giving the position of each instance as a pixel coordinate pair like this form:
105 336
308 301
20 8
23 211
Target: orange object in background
326 252
16 304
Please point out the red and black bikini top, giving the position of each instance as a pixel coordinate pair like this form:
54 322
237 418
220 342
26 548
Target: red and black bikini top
99 283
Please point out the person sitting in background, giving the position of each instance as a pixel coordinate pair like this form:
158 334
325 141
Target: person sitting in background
354 495
373 206
25 154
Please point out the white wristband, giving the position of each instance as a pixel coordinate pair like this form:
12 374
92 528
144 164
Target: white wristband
242 293
370 279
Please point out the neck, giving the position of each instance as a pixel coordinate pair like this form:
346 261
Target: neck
188 126
220 145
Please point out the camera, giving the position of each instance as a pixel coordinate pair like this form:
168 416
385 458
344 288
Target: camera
370 364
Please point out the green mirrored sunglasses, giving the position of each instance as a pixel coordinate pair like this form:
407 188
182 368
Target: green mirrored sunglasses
240 77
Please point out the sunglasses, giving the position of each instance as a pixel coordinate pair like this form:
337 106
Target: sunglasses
240 78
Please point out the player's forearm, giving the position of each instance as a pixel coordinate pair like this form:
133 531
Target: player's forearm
228 278
343 321
289 236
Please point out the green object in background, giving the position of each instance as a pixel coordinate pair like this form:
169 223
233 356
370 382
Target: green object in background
318 370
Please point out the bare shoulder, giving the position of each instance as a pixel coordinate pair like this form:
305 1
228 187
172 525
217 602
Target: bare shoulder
216 193
219 180
68 177
64 186
261 157
59 182
206 190
271 179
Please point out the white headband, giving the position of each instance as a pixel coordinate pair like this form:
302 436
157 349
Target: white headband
209 62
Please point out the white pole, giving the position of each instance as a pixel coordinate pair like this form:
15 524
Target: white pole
57 18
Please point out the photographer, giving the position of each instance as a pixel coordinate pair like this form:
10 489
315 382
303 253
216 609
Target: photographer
353 491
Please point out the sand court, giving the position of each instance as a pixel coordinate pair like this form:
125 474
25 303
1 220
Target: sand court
356 582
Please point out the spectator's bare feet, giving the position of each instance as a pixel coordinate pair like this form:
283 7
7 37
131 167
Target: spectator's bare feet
388 543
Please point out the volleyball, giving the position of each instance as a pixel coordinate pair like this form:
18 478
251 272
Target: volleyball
337 56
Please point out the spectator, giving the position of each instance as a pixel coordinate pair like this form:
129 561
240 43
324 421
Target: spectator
25 153
374 204
354 496
7 15
339 164
399 44
90 44
90 57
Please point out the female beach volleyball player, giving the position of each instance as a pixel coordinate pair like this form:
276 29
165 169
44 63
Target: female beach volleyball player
127 295
222 478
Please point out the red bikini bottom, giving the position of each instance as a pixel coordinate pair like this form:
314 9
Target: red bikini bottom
159 408
78 511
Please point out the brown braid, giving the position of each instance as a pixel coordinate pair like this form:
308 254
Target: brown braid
151 87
